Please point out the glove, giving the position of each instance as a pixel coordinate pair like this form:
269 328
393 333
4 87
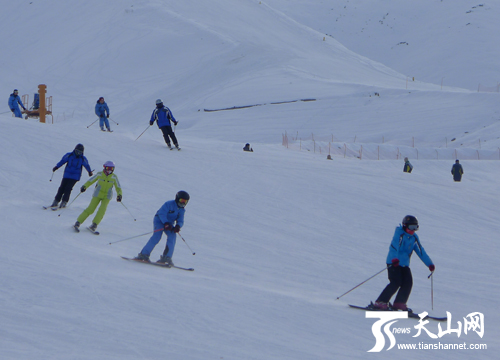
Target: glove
54 168
119 198
177 228
151 123
167 227
107 116
432 267
175 123
12 110
91 173
395 262
83 188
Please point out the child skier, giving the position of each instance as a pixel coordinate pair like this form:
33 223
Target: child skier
403 244
102 110
102 194
72 173
169 219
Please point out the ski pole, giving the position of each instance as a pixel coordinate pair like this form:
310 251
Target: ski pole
92 123
52 175
128 211
432 289
136 236
142 133
364 282
69 203
113 121
187 244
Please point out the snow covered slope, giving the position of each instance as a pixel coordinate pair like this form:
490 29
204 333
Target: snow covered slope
278 234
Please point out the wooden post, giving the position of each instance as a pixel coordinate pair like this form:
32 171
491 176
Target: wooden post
42 90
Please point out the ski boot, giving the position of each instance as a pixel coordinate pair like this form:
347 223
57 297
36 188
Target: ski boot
63 204
55 204
379 305
401 306
142 257
93 227
77 226
166 260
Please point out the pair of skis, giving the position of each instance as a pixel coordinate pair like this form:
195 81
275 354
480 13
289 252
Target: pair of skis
158 264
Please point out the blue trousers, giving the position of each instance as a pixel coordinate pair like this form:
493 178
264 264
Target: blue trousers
156 237
17 112
103 121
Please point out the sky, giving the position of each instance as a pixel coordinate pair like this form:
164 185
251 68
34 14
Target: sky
278 234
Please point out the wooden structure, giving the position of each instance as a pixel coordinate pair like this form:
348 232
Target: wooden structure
44 108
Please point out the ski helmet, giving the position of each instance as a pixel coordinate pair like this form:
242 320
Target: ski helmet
109 167
79 150
181 198
410 222
159 102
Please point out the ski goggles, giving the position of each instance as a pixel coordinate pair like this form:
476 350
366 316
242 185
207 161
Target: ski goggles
412 227
183 202
108 169
78 152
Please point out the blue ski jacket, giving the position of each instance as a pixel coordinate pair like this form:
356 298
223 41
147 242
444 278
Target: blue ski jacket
162 116
171 213
74 164
14 100
101 110
402 247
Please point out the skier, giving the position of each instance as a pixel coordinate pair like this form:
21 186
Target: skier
163 116
103 193
72 173
14 100
408 167
169 219
403 244
247 148
457 171
102 110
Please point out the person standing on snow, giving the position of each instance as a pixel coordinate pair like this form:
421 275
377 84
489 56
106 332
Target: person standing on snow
457 171
102 194
408 167
14 102
169 219
403 244
102 110
163 116
72 173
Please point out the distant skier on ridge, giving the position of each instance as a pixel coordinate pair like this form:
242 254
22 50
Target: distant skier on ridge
457 171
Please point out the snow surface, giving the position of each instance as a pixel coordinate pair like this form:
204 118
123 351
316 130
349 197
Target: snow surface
279 233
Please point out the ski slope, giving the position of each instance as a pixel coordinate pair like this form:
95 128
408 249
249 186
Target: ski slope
279 233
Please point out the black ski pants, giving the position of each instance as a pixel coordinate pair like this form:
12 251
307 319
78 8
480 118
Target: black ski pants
167 131
65 189
400 279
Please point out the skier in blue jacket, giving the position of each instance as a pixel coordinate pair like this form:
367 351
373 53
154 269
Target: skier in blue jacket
72 173
404 243
169 219
102 110
14 102
163 116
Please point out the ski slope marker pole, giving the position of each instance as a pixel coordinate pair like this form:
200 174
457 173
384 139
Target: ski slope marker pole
92 123
128 211
69 204
142 133
136 236
187 244
347 292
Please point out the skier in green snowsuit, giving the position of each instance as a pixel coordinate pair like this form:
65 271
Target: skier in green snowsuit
102 194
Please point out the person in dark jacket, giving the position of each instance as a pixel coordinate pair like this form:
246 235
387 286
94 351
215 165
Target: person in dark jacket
247 148
457 171
163 116
408 167
14 102
102 110
72 173
404 242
